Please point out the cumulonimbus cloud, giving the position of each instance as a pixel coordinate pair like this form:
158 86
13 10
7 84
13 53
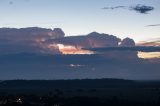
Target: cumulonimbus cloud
28 40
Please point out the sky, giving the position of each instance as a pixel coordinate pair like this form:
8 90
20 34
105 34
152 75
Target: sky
78 17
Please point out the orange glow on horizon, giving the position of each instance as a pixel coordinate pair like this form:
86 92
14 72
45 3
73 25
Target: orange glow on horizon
68 49
143 43
148 55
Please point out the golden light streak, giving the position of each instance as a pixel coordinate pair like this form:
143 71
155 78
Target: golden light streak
69 49
143 43
148 55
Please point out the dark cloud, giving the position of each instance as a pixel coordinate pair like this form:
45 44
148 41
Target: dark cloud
29 66
97 40
135 48
152 25
143 9
127 42
41 40
93 39
116 7
28 40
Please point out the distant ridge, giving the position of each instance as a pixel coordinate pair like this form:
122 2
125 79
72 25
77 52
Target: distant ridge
63 84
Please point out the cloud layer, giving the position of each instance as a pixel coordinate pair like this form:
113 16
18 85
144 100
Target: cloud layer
30 40
135 48
47 41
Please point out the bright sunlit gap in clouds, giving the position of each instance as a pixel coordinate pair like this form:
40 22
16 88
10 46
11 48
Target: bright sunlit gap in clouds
69 49
148 55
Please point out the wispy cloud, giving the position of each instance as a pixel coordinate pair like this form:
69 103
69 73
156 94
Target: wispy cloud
143 9
140 8
153 25
116 7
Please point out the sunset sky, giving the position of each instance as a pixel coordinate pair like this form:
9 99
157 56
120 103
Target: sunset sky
77 17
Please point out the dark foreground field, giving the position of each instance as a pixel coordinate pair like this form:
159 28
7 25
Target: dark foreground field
97 92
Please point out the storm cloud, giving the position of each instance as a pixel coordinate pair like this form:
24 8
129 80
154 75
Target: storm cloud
48 41
28 40
93 39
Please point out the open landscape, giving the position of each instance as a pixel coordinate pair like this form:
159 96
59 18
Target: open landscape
85 92
79 53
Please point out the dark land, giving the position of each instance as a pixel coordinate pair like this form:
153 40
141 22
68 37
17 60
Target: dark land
86 92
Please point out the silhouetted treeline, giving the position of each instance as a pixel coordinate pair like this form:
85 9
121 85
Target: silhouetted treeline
87 92
63 84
